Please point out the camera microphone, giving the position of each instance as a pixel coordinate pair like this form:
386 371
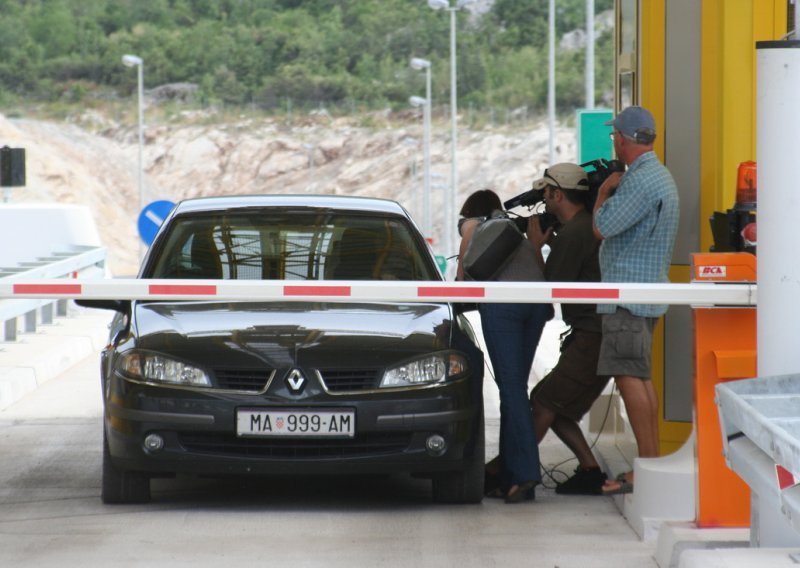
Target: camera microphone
526 199
513 202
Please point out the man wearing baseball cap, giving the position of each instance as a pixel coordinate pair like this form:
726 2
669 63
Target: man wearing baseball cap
563 176
636 217
567 392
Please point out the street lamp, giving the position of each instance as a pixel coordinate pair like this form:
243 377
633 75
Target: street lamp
419 64
412 168
551 78
450 201
438 186
134 61
310 149
590 54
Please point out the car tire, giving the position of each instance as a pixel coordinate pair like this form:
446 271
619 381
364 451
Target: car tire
120 487
465 486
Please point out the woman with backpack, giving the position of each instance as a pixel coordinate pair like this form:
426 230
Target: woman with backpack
511 333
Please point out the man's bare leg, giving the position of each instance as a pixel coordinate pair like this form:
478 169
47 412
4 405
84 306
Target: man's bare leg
641 404
543 419
567 431
571 434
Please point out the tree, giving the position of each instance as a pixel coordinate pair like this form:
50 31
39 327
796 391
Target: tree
306 49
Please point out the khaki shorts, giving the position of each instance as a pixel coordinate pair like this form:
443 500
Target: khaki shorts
573 384
627 345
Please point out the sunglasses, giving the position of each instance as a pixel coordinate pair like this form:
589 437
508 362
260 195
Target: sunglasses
551 178
553 182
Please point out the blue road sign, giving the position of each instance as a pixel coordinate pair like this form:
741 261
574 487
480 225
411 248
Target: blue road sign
151 218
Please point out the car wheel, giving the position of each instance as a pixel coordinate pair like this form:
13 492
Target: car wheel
464 486
122 486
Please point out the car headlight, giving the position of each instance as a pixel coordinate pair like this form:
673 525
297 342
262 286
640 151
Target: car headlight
160 369
428 370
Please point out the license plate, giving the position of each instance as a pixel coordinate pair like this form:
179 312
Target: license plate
296 423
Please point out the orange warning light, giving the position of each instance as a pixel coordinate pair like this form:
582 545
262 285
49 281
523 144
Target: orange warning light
746 185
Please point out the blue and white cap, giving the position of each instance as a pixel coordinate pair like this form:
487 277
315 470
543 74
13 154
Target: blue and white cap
635 122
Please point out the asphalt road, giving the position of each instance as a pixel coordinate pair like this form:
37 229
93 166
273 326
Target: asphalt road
51 513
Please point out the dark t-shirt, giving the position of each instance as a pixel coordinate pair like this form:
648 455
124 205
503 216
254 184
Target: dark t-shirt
573 258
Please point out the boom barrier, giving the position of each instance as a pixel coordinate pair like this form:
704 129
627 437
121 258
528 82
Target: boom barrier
697 294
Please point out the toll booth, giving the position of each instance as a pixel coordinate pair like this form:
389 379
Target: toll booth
693 65
725 350
725 341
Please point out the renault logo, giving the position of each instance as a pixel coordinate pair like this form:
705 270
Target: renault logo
295 381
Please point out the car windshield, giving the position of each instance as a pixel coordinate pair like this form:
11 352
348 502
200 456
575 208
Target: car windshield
290 245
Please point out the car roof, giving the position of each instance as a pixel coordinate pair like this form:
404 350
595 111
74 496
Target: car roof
340 202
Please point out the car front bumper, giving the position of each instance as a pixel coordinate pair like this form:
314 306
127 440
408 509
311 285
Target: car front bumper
199 436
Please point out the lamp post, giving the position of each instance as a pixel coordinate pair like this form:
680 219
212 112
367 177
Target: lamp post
590 54
134 61
439 186
417 63
450 201
310 149
412 168
551 79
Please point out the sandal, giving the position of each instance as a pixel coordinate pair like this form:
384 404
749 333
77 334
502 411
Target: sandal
493 466
495 493
523 492
491 479
622 487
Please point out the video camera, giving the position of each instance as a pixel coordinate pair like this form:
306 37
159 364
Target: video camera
533 199
600 171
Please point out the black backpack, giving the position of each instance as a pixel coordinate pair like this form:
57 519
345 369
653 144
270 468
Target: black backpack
491 247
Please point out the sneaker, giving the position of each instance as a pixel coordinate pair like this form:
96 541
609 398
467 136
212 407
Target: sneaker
585 482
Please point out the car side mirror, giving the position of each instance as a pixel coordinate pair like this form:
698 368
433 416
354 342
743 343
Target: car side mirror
123 306
462 307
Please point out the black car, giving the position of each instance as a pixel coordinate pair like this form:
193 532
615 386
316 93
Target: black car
219 388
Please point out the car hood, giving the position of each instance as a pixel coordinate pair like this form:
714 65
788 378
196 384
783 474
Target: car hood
285 334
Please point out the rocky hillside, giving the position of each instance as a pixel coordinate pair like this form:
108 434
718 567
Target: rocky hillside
96 164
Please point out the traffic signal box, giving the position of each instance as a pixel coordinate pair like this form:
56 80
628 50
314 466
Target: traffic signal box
725 350
12 167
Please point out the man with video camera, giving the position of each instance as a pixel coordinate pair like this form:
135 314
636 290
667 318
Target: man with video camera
636 217
561 398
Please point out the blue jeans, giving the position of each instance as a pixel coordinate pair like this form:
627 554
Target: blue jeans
511 333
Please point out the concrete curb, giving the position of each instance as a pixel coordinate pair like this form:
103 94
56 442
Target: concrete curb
35 358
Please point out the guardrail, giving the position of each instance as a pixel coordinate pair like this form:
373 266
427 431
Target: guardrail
72 262
760 420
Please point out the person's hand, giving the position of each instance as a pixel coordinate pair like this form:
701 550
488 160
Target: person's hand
608 186
534 232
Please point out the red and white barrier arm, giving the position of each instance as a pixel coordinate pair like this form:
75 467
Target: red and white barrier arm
726 294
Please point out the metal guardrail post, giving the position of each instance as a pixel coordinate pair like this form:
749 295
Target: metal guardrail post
10 330
30 322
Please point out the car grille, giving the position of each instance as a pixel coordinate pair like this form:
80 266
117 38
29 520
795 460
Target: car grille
342 380
336 380
231 445
243 379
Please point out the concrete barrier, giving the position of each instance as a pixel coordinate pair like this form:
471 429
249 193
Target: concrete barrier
760 421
